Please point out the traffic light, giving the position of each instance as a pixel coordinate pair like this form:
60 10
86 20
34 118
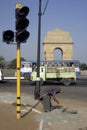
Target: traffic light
21 24
8 36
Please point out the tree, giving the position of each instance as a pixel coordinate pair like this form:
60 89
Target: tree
83 66
12 64
22 59
2 62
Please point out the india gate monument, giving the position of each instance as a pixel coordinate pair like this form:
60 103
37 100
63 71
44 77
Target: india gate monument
58 39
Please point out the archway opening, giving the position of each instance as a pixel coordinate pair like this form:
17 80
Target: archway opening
58 54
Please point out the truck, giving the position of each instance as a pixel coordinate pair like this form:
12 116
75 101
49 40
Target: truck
63 74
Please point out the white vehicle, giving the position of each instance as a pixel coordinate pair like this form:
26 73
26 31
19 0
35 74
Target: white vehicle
26 69
1 75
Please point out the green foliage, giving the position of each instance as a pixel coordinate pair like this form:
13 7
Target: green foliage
83 66
2 62
9 65
13 63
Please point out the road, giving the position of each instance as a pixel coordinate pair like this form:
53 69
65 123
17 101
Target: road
73 97
78 91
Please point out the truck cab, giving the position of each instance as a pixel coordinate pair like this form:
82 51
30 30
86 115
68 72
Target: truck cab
42 74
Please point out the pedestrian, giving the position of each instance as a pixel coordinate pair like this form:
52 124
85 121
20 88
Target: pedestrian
46 97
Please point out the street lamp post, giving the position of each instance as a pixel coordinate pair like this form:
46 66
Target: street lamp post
37 87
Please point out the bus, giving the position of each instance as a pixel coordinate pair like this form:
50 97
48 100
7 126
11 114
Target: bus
28 66
68 63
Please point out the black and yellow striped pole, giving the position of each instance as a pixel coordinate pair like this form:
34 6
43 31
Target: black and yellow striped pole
18 83
18 53
22 35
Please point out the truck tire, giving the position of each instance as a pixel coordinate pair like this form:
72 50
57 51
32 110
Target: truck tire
66 81
26 76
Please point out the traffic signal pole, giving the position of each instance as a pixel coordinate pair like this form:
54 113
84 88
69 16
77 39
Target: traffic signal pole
21 36
18 102
37 87
18 83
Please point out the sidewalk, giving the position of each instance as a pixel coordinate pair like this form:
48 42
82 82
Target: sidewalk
37 119
8 120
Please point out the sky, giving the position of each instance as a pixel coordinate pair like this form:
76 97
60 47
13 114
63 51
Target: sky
67 15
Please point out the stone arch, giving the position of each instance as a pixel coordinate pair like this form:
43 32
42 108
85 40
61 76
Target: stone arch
55 56
58 39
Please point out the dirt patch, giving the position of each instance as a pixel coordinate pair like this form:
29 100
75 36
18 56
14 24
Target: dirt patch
8 120
54 120
74 117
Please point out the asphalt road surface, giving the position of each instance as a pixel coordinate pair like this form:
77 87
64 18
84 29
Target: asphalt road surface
77 91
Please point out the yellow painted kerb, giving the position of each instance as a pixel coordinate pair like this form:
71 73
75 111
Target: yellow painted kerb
19 6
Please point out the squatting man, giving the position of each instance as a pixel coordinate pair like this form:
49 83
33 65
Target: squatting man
47 95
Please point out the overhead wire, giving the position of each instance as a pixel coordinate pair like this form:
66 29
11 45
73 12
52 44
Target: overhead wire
45 7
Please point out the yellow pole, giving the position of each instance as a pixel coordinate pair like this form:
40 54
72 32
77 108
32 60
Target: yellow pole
18 83
18 6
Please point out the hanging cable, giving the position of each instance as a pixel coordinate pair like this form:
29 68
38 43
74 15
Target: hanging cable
45 7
